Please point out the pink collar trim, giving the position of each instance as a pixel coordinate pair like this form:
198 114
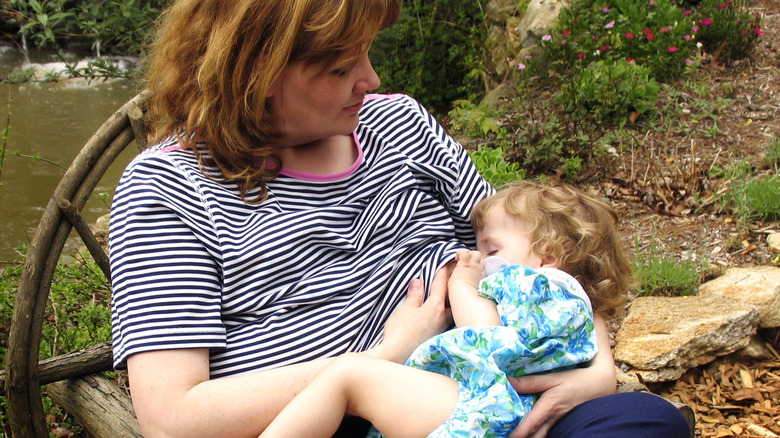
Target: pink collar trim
332 177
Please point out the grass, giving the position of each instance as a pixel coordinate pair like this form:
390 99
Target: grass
656 274
77 316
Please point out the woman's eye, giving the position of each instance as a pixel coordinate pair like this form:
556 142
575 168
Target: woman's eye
340 72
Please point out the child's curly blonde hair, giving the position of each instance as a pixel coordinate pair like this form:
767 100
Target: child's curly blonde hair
575 227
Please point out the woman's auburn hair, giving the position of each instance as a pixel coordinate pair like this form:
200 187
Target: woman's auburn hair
213 62
578 229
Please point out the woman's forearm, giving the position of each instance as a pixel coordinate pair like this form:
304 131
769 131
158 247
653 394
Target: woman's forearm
173 396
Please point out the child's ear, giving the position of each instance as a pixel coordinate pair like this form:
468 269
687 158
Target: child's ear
549 261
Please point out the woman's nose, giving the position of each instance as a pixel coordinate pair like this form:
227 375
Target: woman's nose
368 79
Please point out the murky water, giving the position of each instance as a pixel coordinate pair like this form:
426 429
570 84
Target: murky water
51 121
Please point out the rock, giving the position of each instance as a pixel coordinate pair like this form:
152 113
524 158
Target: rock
773 241
759 286
662 337
540 16
756 350
497 94
100 230
500 10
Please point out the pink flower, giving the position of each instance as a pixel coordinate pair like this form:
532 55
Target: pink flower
706 22
629 36
610 25
581 55
666 29
688 61
724 5
652 3
520 66
605 9
604 47
630 60
758 30
528 56
565 33
649 34
686 37
672 49
546 37
695 28
688 12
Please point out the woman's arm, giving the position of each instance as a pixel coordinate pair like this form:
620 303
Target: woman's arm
173 395
561 391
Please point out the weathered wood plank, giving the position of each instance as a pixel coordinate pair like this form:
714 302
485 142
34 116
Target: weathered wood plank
100 406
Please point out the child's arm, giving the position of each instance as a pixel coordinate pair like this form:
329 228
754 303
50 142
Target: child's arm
468 307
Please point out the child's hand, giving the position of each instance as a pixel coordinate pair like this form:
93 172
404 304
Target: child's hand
469 270
468 307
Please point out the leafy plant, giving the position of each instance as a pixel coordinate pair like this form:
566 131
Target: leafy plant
474 121
77 316
609 92
492 165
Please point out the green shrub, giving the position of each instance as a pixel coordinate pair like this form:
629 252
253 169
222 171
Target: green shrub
118 26
434 51
609 91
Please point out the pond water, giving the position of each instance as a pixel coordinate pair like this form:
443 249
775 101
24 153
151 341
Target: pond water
51 121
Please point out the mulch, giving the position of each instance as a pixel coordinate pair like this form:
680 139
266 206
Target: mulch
732 397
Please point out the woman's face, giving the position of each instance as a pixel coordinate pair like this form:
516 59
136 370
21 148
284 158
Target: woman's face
314 102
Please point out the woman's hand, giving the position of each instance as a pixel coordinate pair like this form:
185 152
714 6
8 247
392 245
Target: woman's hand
562 391
415 320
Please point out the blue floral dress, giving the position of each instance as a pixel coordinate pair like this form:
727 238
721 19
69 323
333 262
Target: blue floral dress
547 324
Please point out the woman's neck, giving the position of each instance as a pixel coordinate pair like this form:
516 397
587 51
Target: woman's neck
322 157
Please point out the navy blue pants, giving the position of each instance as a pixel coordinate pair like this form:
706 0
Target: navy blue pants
624 415
629 414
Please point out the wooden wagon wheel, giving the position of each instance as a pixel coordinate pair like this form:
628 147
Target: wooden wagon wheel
25 409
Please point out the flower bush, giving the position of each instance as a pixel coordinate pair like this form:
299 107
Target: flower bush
655 34
726 29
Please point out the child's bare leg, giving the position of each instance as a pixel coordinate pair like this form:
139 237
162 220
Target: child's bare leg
398 400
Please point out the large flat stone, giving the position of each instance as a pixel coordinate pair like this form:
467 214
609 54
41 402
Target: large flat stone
674 334
759 286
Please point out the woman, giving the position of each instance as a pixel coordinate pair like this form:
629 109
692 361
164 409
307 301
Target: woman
283 217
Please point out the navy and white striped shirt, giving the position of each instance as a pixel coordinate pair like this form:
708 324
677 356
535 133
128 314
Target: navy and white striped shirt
314 271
